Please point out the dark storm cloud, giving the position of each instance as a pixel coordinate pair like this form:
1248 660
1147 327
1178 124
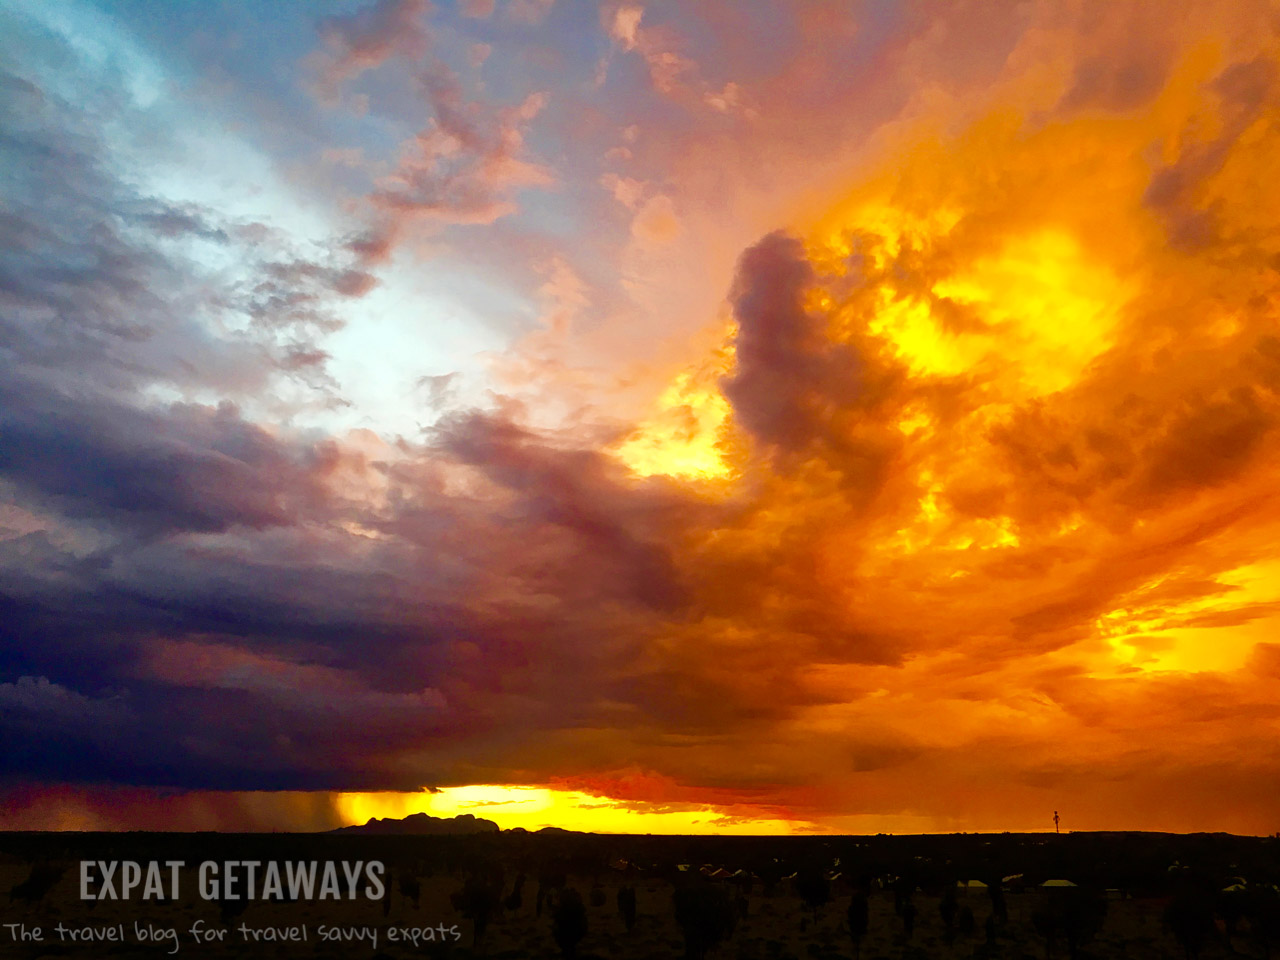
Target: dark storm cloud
782 356
140 531
194 572
572 498
800 392
212 671
224 739
187 468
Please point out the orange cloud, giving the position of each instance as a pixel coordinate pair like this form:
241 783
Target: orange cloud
1010 418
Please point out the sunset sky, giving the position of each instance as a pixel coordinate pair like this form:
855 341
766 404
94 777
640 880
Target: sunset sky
725 416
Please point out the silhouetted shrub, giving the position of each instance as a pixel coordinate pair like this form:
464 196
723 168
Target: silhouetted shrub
1048 925
813 888
410 889
1232 905
1189 917
904 889
1073 914
547 882
705 915
999 908
908 920
515 899
1262 909
42 878
858 920
569 922
947 909
627 906
476 901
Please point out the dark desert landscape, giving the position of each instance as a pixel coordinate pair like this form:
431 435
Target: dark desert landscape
551 894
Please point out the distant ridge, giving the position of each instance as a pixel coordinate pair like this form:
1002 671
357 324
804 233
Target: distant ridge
420 824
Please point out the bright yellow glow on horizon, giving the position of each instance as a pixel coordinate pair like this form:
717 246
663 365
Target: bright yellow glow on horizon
536 807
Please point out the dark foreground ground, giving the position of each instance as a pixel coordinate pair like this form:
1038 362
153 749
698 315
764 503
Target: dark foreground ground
546 895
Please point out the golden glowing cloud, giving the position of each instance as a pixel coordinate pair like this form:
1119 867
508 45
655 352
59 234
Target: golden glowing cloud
1003 432
685 436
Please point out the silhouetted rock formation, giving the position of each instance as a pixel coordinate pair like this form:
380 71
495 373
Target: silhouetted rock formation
420 824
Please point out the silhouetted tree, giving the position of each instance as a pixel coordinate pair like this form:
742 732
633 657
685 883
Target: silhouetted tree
516 898
569 922
858 921
903 890
1073 914
1232 905
411 889
990 929
627 906
908 920
947 908
1262 909
814 888
705 915
999 908
770 873
1189 917
1085 910
476 901
547 882
42 878
1049 925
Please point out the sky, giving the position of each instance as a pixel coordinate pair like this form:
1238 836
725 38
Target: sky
827 417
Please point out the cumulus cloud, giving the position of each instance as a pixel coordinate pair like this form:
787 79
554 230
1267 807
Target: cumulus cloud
366 39
672 72
468 163
656 222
